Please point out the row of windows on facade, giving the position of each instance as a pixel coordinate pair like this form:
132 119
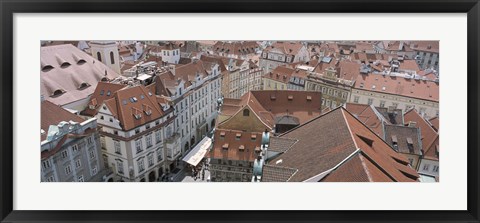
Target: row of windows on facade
112 57
288 59
167 53
68 171
79 178
64 154
426 167
382 104
140 161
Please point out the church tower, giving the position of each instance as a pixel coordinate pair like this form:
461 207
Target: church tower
107 53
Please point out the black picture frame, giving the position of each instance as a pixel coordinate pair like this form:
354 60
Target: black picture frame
9 7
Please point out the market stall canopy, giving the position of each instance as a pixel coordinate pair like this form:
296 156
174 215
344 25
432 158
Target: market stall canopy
198 152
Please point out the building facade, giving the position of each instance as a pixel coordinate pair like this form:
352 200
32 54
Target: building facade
70 149
138 135
107 53
281 53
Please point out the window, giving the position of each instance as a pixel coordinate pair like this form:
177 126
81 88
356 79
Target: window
370 101
435 169
68 170
141 165
147 126
158 136
51 179
137 131
105 161
159 155
115 132
89 140
46 164
112 58
119 166
92 154
116 144
150 160
94 170
75 148
395 105
382 104
426 167
148 138
246 112
355 99
138 145
99 56
64 153
80 178
78 164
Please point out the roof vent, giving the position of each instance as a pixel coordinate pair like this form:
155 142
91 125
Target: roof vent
273 97
278 162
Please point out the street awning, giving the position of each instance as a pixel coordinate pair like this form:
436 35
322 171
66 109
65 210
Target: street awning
198 152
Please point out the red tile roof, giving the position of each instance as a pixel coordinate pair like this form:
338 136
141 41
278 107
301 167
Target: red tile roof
420 89
102 92
427 46
366 114
132 101
285 47
229 146
325 142
429 136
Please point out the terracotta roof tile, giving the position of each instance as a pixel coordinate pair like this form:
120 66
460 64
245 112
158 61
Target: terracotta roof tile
228 143
336 136
132 101
420 89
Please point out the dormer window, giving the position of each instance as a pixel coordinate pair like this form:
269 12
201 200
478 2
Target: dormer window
81 61
84 85
225 146
65 65
58 92
238 136
246 112
47 68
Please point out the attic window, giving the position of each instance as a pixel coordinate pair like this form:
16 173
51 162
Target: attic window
254 137
47 68
58 92
222 135
257 149
102 92
290 97
147 109
246 112
238 135
241 148
108 93
309 98
225 146
81 61
124 101
65 65
83 85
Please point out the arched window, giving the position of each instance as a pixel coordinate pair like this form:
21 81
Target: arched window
99 56
246 112
112 59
